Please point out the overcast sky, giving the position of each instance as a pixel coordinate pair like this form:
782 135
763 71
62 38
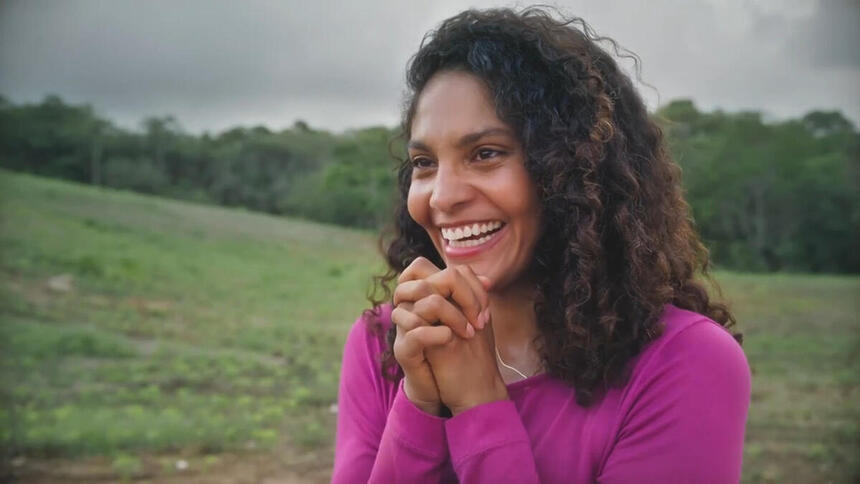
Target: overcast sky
339 65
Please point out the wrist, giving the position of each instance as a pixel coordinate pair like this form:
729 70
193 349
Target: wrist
432 407
498 392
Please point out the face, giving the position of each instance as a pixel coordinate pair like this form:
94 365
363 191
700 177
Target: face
470 189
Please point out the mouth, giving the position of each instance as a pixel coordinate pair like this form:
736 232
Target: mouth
470 239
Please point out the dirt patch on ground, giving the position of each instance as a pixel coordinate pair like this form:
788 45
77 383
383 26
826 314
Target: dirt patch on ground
234 468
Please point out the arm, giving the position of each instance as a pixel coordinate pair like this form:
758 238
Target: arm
412 448
686 419
488 444
374 444
486 437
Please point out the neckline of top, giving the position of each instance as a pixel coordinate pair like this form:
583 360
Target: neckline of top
532 380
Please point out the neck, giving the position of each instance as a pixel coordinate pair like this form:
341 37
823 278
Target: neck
514 321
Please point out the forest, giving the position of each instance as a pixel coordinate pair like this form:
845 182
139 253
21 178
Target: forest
766 195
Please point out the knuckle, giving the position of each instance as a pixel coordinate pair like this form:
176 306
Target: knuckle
425 287
399 293
417 264
442 281
425 265
398 350
435 301
403 342
450 274
397 315
403 276
406 320
462 277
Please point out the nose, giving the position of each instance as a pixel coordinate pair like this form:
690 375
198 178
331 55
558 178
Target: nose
451 189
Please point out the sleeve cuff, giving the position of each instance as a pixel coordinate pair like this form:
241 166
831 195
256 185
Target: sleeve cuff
411 426
484 427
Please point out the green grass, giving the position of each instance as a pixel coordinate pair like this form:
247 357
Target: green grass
197 330
185 326
802 339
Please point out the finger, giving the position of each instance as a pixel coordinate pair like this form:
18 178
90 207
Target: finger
420 268
486 282
436 308
480 292
406 320
409 349
451 283
411 291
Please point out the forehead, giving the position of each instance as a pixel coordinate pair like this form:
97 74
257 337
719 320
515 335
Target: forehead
453 103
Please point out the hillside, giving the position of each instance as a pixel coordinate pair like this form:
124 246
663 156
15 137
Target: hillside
133 323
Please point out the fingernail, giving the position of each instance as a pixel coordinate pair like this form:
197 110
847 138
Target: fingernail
470 330
482 318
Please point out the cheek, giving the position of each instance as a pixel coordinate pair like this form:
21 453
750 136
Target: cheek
534 211
518 193
416 204
525 203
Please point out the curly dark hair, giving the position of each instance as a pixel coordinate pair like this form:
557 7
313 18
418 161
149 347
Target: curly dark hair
618 242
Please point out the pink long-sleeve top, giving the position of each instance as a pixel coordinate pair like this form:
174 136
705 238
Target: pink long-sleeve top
679 418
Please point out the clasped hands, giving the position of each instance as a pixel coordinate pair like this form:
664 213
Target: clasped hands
445 342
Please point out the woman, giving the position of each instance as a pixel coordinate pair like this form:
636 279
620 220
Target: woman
547 324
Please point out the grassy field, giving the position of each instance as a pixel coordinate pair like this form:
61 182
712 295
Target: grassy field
150 339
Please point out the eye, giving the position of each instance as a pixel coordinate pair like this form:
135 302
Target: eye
487 153
421 162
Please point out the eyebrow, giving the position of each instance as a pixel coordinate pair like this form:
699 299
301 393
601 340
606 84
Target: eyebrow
465 140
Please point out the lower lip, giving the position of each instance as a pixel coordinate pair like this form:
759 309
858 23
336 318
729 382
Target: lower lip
465 252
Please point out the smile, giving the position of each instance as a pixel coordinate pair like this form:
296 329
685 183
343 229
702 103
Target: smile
476 233
470 236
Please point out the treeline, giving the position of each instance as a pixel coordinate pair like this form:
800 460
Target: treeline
339 178
766 196
769 196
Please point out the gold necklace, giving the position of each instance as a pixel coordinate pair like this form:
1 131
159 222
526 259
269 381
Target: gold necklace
499 356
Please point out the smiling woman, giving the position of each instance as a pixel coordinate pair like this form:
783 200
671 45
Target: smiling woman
547 324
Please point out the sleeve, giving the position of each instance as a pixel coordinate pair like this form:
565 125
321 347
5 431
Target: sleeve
373 444
687 417
489 444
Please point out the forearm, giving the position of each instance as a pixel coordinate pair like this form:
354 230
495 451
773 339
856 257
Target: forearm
413 446
488 443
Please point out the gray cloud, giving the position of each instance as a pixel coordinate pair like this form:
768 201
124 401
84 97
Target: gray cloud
340 64
830 38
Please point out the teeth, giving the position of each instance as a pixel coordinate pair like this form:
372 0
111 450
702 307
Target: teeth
469 231
469 243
